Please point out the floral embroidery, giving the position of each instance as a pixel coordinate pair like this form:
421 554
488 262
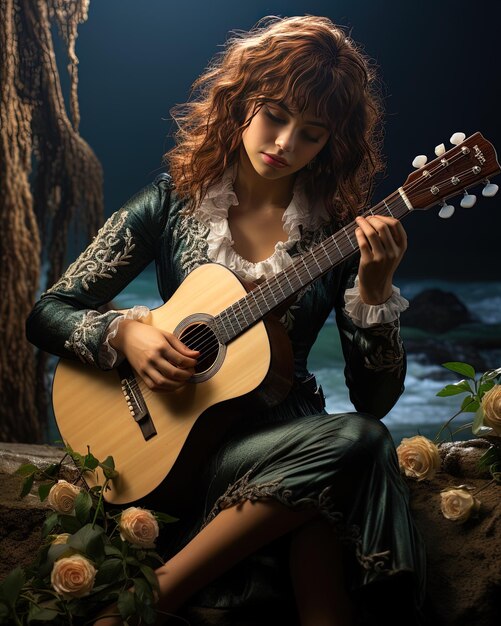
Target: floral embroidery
88 325
388 355
194 235
100 259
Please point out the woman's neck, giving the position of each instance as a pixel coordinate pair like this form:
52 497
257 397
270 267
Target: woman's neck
253 189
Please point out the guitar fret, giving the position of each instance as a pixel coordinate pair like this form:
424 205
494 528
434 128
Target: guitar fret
229 320
318 264
334 240
388 208
322 245
295 270
277 280
348 237
307 269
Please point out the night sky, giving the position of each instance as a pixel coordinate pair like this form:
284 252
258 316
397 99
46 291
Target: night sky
439 63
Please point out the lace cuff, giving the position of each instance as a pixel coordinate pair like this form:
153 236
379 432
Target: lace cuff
365 315
108 356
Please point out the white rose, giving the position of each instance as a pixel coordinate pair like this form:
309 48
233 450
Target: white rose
418 457
491 408
139 527
73 576
61 539
62 496
458 504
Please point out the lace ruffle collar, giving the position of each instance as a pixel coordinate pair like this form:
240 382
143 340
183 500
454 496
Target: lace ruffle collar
213 212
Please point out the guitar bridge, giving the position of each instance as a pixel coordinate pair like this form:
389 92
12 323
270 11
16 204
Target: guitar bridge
135 400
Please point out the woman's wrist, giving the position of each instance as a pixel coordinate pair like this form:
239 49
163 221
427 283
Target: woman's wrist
117 342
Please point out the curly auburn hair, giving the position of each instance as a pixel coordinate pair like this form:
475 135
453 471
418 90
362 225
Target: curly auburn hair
300 61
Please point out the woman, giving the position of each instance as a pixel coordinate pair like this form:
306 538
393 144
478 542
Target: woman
277 151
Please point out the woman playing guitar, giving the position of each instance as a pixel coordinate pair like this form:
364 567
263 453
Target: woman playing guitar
276 152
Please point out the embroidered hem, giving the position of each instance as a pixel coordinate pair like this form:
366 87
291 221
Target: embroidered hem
243 489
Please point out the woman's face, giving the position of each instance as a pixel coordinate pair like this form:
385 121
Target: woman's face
280 142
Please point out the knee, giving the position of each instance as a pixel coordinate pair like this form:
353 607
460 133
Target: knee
371 434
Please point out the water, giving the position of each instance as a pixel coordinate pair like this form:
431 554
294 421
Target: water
419 410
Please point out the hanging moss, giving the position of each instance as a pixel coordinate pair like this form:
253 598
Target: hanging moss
49 177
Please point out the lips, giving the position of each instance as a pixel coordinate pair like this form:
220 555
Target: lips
273 159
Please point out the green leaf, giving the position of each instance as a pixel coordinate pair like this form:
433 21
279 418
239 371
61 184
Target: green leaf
42 613
108 467
126 604
150 576
49 524
52 470
43 491
109 571
27 485
455 389
69 523
89 540
478 422
110 550
27 469
12 585
470 405
90 461
485 387
163 517
83 506
461 368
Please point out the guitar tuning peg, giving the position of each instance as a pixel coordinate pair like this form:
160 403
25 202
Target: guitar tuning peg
446 211
468 200
440 149
419 161
489 190
457 138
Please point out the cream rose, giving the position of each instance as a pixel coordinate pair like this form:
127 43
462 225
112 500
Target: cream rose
418 457
139 527
61 539
73 576
62 496
491 408
458 504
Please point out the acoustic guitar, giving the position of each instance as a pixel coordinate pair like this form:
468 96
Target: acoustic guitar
244 351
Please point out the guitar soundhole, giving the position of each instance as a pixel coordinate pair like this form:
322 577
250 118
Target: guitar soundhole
201 337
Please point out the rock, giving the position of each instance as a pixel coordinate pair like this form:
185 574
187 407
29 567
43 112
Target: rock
464 578
436 311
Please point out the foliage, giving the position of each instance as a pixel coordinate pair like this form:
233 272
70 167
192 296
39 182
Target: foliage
122 565
475 386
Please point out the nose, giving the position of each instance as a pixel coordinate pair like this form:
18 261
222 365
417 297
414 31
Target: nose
285 140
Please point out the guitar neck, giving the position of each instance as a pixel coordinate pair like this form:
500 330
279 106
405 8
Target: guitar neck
272 293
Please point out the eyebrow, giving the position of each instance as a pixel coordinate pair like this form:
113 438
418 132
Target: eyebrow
307 122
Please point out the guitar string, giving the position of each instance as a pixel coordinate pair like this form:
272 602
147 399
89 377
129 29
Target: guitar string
303 272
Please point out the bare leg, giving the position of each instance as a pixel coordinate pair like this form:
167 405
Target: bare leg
235 533
317 576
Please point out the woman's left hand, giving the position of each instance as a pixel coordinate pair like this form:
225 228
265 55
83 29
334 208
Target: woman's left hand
382 241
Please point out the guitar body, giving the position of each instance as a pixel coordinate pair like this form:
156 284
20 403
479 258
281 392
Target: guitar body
91 408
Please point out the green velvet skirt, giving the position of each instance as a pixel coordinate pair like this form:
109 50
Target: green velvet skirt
345 467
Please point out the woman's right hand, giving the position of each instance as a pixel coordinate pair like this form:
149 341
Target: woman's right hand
160 358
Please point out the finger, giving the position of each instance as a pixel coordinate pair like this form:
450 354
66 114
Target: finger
189 355
171 372
372 236
158 382
389 226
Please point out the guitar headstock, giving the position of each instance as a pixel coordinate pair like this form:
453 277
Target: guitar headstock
472 161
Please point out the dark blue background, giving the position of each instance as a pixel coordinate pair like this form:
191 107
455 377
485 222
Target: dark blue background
439 63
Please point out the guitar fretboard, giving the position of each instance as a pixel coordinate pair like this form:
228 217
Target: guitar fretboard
273 292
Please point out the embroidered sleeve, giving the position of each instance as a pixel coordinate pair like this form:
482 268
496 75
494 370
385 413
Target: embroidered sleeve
69 319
